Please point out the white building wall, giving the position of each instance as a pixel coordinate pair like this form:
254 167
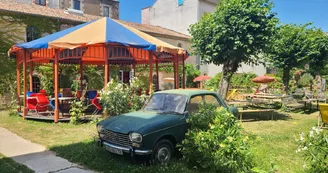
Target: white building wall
168 14
258 70
53 3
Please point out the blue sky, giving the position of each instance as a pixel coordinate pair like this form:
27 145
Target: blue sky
289 11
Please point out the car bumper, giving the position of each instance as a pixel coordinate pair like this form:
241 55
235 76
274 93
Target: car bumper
129 150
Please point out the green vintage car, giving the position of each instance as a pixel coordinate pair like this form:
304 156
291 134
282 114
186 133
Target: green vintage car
158 127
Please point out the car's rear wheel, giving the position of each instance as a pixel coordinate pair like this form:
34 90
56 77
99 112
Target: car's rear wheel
163 151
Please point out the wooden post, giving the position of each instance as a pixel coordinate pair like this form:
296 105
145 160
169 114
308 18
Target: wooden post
157 82
18 85
150 72
174 72
81 74
106 70
31 76
25 83
56 111
178 77
183 72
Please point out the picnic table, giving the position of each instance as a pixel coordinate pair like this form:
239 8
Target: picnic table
241 103
260 111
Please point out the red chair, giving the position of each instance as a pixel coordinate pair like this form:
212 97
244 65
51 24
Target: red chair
43 92
95 102
38 103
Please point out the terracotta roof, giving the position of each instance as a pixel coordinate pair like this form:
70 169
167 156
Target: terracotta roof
33 9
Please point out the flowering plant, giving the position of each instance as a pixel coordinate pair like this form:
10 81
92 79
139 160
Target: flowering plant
313 147
118 98
215 142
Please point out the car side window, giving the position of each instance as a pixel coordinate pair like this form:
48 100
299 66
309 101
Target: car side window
210 99
193 106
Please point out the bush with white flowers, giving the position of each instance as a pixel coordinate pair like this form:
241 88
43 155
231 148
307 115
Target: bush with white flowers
314 148
118 98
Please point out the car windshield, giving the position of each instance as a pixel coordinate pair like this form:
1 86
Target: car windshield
166 103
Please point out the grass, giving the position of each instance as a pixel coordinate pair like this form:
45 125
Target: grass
274 141
9 166
269 139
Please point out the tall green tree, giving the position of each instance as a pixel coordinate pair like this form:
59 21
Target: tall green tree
296 45
235 33
318 52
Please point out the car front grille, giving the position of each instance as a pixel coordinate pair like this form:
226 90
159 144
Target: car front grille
116 138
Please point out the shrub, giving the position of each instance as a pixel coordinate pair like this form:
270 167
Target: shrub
215 143
118 98
238 80
313 147
191 74
76 111
305 80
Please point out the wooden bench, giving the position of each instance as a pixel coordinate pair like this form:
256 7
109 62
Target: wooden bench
260 111
290 102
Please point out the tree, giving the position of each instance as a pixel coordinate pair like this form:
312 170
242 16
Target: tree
318 52
294 46
235 33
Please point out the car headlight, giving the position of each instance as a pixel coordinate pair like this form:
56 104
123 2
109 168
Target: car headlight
100 128
135 137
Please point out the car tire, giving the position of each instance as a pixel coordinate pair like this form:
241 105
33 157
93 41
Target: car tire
163 151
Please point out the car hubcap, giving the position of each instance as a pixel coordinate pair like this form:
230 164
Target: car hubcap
163 154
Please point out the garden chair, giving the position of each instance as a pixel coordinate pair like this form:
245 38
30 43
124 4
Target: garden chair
323 115
38 103
95 102
52 103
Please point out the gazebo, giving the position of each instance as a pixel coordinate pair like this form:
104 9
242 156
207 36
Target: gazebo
100 42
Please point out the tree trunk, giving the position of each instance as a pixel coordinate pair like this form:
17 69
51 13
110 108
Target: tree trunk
227 72
286 78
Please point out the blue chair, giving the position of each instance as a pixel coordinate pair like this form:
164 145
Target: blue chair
91 95
52 102
28 94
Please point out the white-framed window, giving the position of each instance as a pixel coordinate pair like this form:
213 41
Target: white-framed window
106 11
77 4
40 2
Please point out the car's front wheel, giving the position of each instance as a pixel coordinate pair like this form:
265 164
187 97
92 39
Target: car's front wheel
163 151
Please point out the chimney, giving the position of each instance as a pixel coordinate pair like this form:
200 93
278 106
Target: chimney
145 15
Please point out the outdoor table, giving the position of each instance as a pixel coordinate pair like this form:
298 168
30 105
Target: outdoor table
61 100
306 101
260 111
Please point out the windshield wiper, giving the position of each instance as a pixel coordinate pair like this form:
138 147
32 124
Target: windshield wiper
170 112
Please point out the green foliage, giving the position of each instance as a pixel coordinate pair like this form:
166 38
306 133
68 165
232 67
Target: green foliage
296 45
13 31
238 80
191 74
313 147
305 80
235 33
45 73
118 98
76 110
215 143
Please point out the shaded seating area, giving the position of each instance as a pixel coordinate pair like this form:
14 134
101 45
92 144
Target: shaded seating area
111 43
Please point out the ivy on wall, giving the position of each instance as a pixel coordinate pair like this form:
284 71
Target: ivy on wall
12 31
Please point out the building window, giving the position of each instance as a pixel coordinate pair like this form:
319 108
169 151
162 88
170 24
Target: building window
32 33
40 2
77 4
105 11
179 45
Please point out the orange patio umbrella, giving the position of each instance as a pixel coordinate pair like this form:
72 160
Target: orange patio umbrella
263 79
202 78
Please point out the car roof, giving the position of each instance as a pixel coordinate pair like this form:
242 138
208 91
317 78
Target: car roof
186 92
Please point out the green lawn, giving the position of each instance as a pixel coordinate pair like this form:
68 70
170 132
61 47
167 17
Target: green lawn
76 143
9 166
